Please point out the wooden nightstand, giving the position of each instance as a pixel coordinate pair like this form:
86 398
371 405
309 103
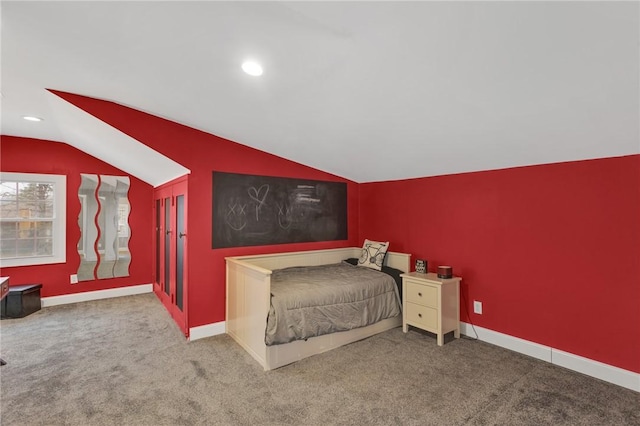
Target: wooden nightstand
431 303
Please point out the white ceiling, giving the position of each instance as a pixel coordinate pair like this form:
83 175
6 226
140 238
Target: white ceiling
402 89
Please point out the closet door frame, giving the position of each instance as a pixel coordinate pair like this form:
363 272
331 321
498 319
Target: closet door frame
167 238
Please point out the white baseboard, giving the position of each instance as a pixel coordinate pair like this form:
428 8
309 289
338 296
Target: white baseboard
599 370
95 295
508 342
606 372
207 330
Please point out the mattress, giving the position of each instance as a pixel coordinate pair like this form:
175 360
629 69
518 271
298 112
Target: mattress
310 301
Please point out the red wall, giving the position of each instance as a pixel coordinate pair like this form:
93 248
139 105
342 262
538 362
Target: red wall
203 153
38 156
552 251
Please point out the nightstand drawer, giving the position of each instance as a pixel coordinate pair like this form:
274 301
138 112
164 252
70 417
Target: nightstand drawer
422 294
424 316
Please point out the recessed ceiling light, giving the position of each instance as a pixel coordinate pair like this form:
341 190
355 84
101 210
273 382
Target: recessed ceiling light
252 68
31 118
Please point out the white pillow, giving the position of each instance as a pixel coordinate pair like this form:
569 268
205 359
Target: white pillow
373 253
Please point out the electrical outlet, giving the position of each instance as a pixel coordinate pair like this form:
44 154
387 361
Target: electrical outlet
477 307
73 279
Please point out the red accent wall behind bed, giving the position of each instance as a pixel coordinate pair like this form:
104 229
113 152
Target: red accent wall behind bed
203 153
552 251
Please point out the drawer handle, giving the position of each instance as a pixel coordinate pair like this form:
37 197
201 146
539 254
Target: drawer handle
420 294
419 315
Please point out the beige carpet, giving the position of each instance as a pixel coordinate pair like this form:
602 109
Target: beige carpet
124 362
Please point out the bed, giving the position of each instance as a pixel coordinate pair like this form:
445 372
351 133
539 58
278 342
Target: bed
248 304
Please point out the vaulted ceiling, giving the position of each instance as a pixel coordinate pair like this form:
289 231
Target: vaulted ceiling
369 91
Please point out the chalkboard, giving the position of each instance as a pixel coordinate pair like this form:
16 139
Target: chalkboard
251 210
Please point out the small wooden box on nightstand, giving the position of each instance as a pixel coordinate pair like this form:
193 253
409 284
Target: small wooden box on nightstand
431 303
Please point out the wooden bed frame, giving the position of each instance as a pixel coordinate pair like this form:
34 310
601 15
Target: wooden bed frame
249 299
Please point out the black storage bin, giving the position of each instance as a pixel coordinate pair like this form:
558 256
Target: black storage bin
21 301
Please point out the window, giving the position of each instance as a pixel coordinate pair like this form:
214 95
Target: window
32 219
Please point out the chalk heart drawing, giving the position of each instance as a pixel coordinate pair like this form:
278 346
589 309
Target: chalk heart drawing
259 195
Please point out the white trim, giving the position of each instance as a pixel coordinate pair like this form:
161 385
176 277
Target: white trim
608 373
207 330
599 370
515 344
96 295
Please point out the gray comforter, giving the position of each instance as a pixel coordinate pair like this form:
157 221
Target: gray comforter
311 301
